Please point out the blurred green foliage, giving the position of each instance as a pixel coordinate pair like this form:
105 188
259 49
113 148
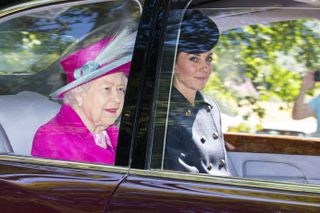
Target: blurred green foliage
271 57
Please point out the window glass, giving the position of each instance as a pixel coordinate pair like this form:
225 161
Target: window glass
256 71
259 65
57 66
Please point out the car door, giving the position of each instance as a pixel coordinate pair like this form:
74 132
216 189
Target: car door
34 37
149 187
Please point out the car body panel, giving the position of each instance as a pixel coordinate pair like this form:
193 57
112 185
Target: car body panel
36 185
174 192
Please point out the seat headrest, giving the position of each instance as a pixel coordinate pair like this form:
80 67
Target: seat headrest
22 114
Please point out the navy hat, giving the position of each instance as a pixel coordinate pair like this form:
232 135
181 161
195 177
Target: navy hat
198 33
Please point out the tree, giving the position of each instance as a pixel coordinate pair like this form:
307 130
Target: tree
271 56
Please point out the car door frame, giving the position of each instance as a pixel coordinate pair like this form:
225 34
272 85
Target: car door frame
152 189
36 184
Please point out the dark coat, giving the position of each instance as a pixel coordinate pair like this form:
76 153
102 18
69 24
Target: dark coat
194 141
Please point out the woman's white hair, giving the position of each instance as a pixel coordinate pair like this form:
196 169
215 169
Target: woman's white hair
69 97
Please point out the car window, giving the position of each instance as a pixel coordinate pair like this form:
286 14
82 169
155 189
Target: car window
47 52
257 69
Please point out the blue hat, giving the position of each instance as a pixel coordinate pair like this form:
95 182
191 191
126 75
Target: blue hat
198 33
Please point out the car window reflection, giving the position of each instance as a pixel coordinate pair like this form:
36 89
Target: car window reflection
257 73
63 74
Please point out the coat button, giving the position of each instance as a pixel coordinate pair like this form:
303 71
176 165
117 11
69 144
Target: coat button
215 135
188 112
203 139
222 163
210 166
209 107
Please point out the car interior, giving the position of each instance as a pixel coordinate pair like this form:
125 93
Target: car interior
263 163
288 155
25 112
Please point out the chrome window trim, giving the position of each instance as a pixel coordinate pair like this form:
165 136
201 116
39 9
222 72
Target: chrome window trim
63 164
231 181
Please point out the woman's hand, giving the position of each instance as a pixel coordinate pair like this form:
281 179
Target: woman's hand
308 82
302 110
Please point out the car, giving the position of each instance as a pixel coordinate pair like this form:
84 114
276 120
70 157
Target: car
264 48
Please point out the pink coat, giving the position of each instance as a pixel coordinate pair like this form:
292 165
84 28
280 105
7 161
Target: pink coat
65 137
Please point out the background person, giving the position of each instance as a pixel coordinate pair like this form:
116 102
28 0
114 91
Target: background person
84 129
303 110
195 140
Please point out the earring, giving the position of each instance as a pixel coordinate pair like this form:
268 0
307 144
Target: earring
79 100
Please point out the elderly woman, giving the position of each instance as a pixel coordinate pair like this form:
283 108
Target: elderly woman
195 141
84 129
